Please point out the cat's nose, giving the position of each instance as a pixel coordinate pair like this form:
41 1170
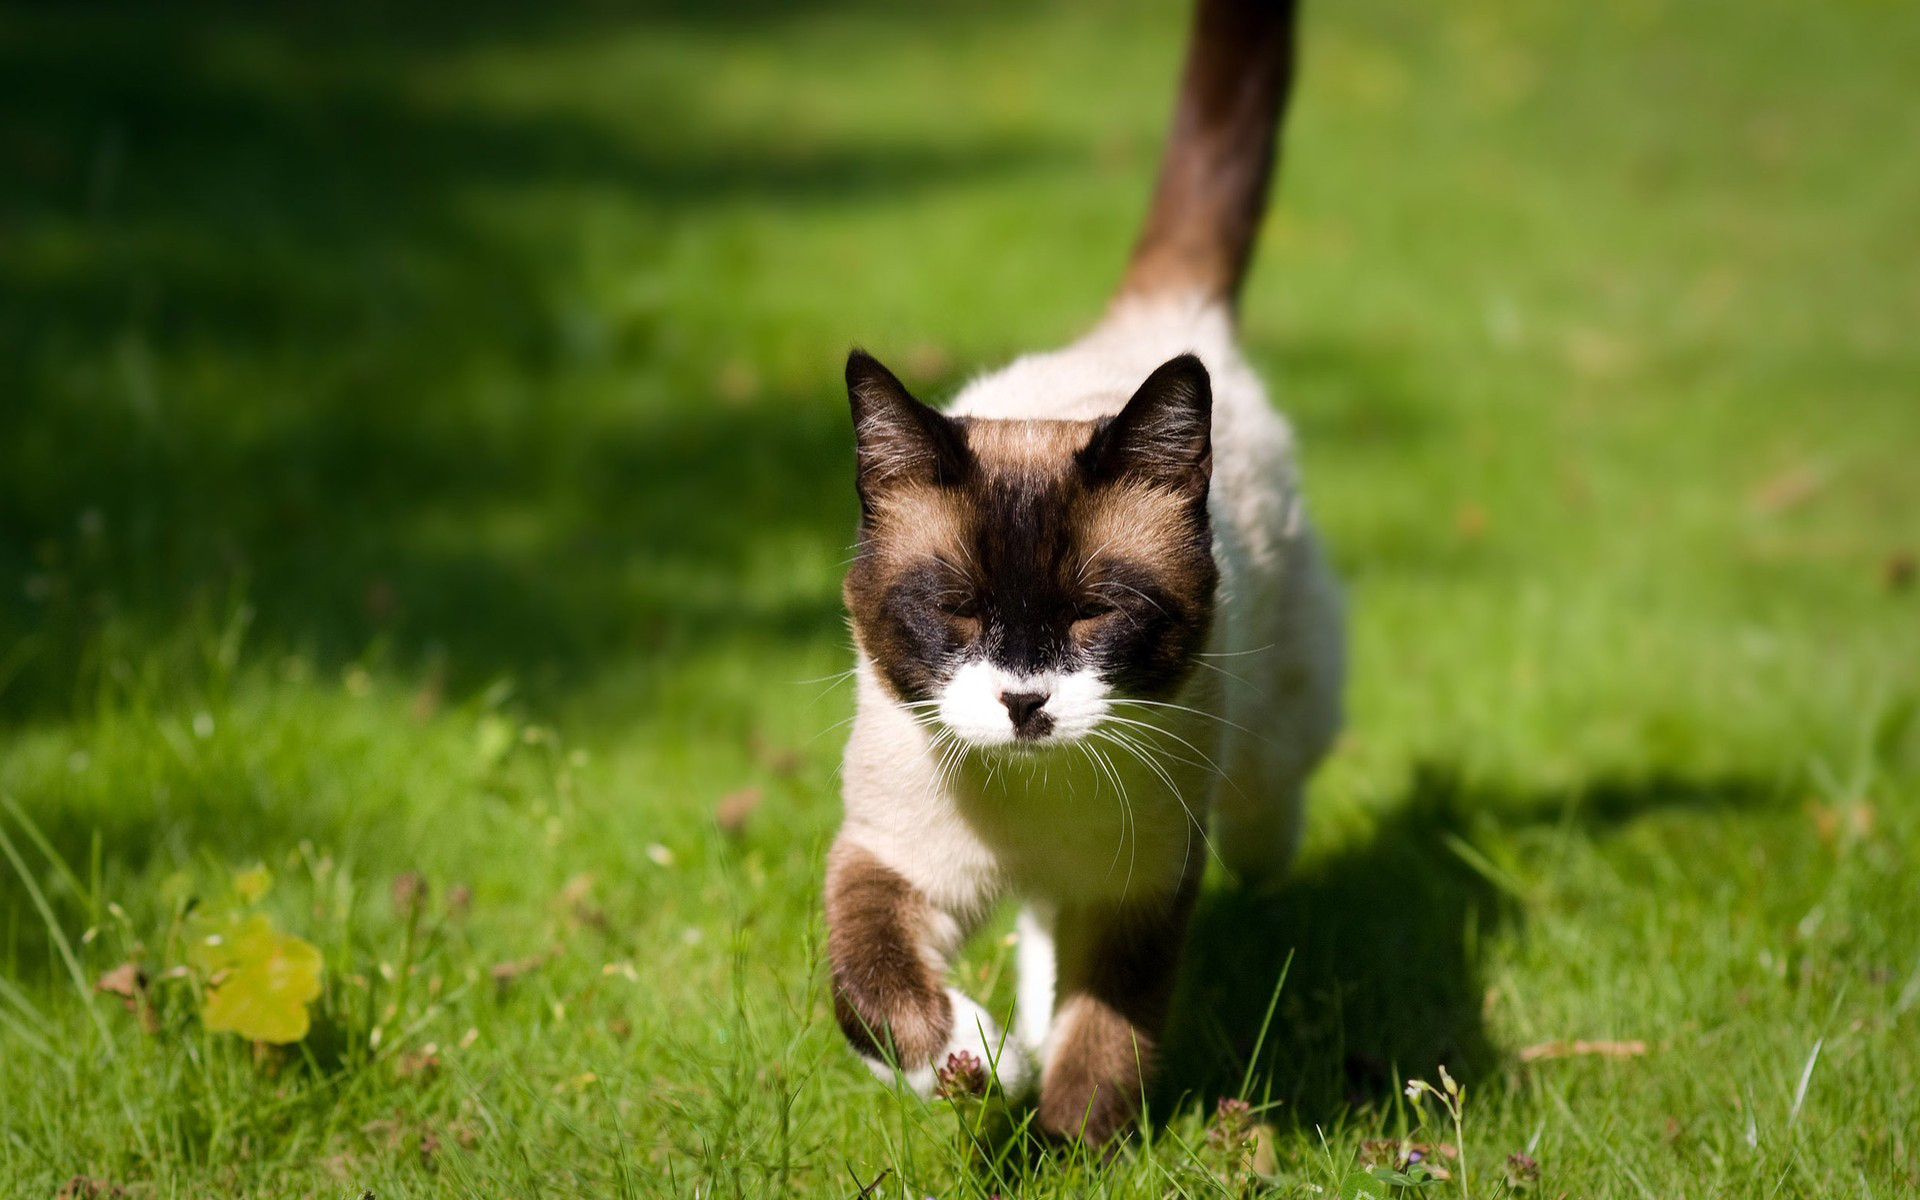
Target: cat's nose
1022 706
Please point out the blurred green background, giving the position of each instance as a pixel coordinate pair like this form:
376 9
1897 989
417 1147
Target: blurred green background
421 447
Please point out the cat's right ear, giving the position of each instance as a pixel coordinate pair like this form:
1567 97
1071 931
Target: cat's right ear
897 439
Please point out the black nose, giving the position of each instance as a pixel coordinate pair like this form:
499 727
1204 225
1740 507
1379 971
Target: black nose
1023 707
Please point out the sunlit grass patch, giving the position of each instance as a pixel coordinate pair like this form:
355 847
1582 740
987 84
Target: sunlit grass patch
424 483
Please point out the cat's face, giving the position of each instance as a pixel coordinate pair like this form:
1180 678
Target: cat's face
1015 578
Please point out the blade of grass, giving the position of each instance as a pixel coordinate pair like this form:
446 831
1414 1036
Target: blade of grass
44 846
1266 1023
1806 1077
59 937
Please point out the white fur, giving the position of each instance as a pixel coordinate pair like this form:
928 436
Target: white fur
975 1033
1033 1012
970 704
1056 825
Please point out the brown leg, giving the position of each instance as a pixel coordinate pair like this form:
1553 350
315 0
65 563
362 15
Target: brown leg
1116 978
887 967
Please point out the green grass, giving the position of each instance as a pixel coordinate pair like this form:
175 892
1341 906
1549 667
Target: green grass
421 449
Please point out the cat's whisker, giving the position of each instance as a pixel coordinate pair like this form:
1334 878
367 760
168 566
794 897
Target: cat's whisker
836 677
1146 758
949 762
1233 653
846 720
1129 825
1088 752
1086 564
1165 732
1167 754
1131 828
833 682
1206 760
1113 583
1094 756
1198 712
1239 679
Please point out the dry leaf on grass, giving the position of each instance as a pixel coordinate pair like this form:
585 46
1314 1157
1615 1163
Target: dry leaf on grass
735 809
503 974
1898 571
126 980
1582 1049
1787 490
423 1063
129 982
410 892
779 760
576 897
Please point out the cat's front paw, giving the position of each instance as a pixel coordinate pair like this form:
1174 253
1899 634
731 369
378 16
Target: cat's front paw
975 1052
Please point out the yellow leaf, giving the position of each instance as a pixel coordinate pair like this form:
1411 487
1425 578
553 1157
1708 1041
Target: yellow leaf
266 979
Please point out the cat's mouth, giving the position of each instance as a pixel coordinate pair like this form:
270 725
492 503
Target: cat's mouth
1033 739
988 708
1021 749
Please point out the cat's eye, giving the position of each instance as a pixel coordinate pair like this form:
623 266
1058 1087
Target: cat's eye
1092 610
962 607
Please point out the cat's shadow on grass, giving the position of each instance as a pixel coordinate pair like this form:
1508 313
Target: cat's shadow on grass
1379 943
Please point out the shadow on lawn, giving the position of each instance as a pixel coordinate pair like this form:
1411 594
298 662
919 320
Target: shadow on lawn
1385 980
299 335
266 339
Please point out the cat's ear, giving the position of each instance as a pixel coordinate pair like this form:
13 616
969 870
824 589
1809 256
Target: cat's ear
1164 434
897 439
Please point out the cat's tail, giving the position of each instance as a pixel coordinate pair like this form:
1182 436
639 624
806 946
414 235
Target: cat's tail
1212 188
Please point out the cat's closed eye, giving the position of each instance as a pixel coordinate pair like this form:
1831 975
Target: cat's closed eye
960 606
1092 609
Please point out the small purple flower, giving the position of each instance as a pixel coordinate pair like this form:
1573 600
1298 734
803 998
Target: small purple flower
1231 1129
963 1075
1522 1172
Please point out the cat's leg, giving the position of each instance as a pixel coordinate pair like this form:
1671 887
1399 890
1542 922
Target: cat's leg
1033 1012
888 947
1284 711
1117 971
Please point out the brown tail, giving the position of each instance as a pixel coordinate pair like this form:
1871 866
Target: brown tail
1212 187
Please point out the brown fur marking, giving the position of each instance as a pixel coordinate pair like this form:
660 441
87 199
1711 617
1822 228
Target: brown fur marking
887 994
1117 971
1015 447
1212 187
919 522
1134 523
1099 1066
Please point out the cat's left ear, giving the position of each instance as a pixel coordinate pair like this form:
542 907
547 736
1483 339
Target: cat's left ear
1164 435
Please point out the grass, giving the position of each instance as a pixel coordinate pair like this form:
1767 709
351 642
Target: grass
420 450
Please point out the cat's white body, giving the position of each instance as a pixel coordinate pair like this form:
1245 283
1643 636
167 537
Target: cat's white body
968 829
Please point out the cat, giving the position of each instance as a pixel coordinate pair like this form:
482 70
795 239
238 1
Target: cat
1090 621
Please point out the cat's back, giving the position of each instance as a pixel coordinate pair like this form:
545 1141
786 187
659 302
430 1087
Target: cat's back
1255 490
1094 376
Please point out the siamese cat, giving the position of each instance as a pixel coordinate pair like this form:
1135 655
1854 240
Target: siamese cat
1097 644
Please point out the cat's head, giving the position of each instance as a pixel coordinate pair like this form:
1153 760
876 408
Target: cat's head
1015 578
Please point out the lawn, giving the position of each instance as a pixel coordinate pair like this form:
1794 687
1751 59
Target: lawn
424 475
